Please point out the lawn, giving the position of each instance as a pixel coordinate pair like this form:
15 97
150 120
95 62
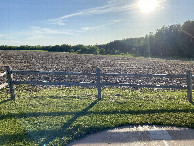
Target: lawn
57 116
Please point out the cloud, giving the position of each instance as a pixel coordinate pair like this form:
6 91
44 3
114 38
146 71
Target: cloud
50 31
111 7
2 35
10 42
58 22
91 28
43 32
36 35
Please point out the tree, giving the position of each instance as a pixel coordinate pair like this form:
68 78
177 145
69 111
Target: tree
186 39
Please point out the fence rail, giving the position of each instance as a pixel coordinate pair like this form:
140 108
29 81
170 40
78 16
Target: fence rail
188 76
52 72
147 86
53 83
145 75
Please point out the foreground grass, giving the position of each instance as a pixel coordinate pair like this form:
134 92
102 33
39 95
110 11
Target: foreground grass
60 115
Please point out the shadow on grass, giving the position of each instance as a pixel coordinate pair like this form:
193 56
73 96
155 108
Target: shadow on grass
36 135
86 112
65 130
1 102
110 136
60 133
14 138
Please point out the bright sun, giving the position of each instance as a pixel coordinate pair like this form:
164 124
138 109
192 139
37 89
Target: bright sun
147 6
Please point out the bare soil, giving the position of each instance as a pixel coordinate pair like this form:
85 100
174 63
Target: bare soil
57 61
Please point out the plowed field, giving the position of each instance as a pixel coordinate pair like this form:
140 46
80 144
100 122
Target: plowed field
51 61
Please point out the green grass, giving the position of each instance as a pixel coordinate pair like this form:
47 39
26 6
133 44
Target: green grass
34 50
123 55
57 116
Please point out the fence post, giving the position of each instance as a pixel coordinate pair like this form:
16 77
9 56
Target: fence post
189 85
10 82
98 83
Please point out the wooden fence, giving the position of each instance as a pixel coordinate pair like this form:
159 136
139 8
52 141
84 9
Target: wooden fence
10 82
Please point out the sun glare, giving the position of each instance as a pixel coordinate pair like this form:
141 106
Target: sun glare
148 6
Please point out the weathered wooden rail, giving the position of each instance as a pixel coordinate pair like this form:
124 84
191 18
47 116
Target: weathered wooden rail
10 81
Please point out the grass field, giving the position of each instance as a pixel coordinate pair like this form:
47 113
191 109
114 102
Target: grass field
57 116
34 50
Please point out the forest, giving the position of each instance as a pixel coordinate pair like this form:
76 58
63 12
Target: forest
169 41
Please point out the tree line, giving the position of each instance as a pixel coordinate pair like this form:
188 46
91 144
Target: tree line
169 41
80 49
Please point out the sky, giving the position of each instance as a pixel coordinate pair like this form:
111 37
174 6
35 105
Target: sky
87 22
